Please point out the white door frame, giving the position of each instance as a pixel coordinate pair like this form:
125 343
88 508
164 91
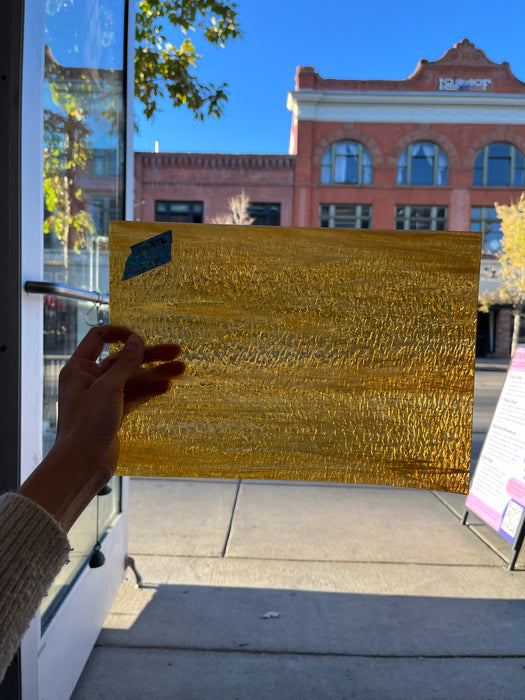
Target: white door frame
51 664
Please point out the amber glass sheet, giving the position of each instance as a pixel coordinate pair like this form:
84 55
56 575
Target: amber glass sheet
312 354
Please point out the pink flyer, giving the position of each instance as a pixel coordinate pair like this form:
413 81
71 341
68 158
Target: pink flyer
497 490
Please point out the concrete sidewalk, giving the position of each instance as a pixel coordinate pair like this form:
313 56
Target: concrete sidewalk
282 590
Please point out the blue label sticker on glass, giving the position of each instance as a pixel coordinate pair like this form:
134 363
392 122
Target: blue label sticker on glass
148 255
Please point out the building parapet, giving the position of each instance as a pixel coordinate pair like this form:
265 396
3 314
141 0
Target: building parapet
223 161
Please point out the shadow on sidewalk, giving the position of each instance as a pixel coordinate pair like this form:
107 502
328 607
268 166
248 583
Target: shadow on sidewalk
215 642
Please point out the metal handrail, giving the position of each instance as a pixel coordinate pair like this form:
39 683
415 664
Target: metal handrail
63 290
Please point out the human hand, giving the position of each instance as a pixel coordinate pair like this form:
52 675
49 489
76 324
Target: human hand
93 396
92 400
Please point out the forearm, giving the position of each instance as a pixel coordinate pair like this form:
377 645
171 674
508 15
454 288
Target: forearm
65 482
33 549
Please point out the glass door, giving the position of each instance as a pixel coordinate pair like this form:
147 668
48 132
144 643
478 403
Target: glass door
84 137
77 170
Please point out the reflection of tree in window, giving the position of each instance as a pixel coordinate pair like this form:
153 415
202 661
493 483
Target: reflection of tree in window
498 165
422 163
486 220
348 163
82 111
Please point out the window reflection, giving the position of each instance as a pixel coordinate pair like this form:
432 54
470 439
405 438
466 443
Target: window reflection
348 163
345 215
422 163
499 165
486 220
185 212
426 218
83 189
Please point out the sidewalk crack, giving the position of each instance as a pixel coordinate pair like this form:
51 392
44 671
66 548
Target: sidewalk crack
230 525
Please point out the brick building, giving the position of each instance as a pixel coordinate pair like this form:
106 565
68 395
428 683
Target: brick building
434 151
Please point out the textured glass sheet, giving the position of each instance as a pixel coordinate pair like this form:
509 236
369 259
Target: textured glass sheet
312 354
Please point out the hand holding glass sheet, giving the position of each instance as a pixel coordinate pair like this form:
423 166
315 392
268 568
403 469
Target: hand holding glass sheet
312 354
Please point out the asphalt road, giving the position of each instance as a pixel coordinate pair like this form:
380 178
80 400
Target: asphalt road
488 386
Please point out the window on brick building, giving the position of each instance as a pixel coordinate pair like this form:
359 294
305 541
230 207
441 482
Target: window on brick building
422 163
103 209
499 165
429 218
485 219
347 163
265 213
105 162
345 215
182 212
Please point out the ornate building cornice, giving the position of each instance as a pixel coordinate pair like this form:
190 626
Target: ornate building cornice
212 161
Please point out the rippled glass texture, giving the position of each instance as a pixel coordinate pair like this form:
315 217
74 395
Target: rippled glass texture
312 354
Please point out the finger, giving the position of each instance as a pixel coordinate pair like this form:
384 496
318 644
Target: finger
134 398
127 362
169 369
93 343
152 382
162 353
157 353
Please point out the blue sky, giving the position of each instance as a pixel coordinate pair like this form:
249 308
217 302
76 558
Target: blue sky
373 39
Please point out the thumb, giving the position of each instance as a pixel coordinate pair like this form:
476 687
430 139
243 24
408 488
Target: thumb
128 361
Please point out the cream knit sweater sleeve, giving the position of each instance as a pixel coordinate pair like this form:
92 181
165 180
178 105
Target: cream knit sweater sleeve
33 549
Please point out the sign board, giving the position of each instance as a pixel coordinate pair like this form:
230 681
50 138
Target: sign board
497 492
464 84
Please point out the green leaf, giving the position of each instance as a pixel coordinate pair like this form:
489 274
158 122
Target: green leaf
165 70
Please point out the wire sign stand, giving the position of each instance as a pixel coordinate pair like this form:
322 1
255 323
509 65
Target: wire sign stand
497 491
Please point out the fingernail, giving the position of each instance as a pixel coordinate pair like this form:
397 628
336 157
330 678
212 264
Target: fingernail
134 342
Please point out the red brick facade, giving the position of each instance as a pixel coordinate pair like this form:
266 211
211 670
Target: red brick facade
461 138
463 105
385 143
475 88
212 178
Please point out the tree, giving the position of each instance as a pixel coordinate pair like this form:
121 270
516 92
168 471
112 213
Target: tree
66 155
512 257
79 103
238 212
163 69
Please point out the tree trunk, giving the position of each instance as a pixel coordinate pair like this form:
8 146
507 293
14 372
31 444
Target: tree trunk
65 242
516 312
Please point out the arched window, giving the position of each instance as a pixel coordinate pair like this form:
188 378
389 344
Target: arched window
422 163
347 163
498 165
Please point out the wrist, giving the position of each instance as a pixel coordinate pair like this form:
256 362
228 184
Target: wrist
65 482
